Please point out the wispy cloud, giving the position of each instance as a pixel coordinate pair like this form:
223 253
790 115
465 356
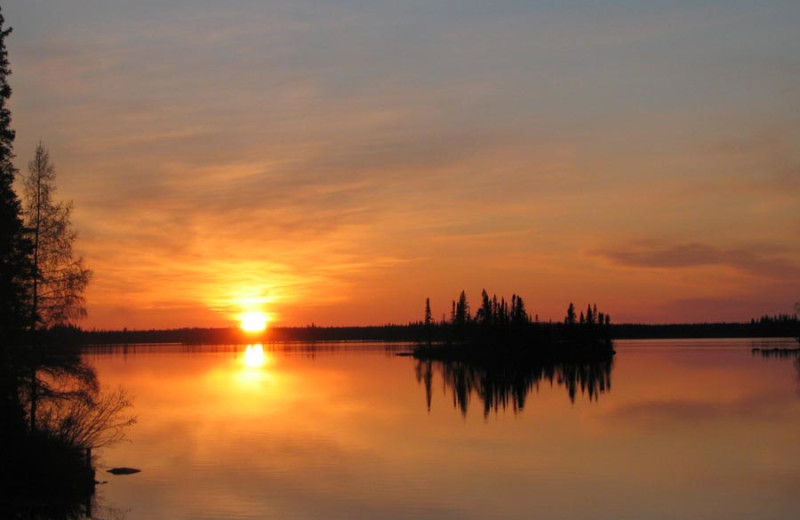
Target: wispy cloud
759 260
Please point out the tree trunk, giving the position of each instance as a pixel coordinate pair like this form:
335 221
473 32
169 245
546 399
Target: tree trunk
34 398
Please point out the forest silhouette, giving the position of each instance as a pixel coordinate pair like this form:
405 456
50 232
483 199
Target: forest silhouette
505 330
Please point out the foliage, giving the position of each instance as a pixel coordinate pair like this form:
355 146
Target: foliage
91 420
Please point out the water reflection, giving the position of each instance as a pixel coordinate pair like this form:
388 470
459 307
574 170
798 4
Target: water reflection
252 374
504 385
254 356
777 352
343 434
767 351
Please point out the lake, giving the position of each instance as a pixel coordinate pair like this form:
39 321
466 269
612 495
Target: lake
672 430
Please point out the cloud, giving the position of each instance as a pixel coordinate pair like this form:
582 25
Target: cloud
312 148
766 262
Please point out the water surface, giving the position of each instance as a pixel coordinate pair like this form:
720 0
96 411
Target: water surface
679 430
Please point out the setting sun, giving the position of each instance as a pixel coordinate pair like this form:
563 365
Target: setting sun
253 321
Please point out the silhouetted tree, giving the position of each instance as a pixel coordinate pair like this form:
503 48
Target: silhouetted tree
519 315
484 313
462 316
428 321
428 315
61 279
92 420
15 268
501 316
570 319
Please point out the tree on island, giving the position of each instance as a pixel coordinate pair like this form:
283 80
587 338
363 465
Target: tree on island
519 316
570 319
461 315
428 314
428 324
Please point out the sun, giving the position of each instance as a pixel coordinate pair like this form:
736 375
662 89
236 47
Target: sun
253 321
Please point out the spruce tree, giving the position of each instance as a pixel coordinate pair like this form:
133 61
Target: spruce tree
570 319
15 268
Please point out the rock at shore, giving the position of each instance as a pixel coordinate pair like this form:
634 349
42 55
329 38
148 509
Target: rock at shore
123 471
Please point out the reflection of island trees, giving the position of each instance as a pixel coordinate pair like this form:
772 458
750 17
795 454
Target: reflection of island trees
790 354
503 385
777 353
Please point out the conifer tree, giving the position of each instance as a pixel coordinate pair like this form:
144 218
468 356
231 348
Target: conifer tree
15 269
570 319
462 316
485 311
518 313
428 314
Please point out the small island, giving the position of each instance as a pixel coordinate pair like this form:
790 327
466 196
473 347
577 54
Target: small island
500 354
500 331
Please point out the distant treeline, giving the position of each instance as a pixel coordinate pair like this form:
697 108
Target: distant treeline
221 336
765 327
780 326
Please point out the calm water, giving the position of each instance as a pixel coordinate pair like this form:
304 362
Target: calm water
675 430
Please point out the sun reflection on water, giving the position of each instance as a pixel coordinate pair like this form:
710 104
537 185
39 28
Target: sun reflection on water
254 356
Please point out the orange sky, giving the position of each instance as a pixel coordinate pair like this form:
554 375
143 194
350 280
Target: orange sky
337 163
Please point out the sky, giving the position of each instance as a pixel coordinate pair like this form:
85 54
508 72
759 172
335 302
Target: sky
338 161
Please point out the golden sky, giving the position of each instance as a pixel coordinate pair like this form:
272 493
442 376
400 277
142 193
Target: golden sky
339 161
